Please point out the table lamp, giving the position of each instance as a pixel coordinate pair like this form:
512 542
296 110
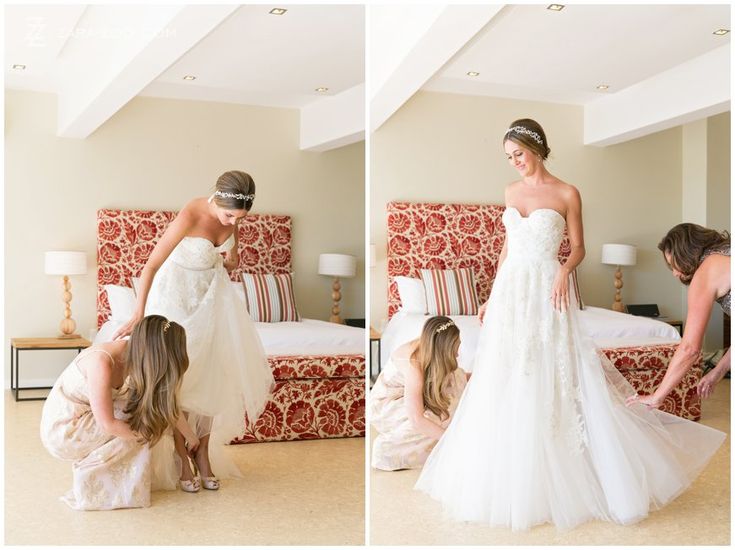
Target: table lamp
337 265
618 255
66 263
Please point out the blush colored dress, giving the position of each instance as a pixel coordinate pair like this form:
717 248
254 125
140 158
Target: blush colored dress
108 471
399 445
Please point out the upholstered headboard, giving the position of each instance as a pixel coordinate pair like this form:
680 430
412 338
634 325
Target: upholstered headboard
125 239
446 236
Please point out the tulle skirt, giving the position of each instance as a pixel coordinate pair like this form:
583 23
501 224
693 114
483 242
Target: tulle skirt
542 432
228 375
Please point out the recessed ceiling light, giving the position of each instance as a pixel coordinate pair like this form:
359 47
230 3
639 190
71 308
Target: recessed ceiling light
278 11
473 73
721 32
190 77
555 7
602 87
18 67
321 90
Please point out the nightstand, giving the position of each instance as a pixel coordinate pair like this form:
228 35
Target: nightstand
374 339
30 344
679 325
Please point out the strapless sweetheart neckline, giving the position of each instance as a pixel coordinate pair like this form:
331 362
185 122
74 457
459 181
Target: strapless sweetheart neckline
533 212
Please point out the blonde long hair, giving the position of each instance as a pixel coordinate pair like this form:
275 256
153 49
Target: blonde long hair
157 359
435 355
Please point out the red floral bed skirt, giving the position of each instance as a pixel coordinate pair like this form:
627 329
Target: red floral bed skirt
315 397
644 367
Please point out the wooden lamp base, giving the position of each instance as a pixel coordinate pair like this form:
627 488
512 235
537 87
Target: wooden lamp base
336 297
67 325
618 304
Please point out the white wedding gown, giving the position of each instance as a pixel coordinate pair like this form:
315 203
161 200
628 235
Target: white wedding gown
542 432
228 372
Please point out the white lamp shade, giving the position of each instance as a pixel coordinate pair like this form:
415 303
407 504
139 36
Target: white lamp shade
337 265
618 254
372 255
65 263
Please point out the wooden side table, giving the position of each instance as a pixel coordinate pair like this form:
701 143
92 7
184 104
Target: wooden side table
374 337
28 344
679 325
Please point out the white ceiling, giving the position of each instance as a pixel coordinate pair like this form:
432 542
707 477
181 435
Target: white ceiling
257 58
252 57
530 52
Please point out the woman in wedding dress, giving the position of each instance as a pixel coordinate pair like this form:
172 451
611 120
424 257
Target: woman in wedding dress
542 432
185 279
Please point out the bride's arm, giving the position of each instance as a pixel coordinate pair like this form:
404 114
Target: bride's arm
560 288
172 236
232 259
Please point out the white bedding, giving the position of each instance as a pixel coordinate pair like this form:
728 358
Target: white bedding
309 337
609 329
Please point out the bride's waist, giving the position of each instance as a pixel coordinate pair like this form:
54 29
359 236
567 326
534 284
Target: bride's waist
532 257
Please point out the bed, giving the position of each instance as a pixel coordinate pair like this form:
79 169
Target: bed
451 236
319 367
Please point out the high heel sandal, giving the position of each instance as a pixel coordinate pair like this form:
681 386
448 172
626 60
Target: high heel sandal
191 485
210 483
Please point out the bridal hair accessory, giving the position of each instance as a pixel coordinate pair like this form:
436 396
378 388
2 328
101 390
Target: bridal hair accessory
165 326
523 130
445 326
226 195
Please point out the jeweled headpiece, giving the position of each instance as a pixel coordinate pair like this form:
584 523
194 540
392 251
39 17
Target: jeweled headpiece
445 326
523 130
165 326
240 196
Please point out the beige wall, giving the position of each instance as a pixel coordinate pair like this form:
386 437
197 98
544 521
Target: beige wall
447 148
158 154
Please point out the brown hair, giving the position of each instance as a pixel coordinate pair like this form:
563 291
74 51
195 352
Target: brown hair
435 356
235 182
687 243
157 359
516 134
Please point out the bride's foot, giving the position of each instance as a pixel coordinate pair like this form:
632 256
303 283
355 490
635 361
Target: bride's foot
208 479
188 481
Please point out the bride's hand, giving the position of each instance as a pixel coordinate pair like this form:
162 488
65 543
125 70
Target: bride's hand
560 291
127 328
481 312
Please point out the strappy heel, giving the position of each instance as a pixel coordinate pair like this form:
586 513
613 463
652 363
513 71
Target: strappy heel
191 485
210 483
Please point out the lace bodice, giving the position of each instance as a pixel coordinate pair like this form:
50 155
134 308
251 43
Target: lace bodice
199 253
536 236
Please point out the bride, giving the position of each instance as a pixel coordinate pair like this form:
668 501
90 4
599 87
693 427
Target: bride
185 279
542 433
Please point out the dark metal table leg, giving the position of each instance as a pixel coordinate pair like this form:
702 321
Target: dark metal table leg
17 381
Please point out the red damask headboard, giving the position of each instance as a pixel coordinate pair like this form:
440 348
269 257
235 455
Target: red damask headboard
125 239
446 236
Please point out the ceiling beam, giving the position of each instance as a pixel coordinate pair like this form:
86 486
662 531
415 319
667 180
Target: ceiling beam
116 51
412 43
335 121
690 91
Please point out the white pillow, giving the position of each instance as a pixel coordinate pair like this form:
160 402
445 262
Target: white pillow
122 302
239 290
412 294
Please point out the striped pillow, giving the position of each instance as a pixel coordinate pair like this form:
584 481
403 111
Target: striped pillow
450 291
269 297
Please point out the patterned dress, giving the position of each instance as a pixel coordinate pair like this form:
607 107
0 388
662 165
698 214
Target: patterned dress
399 445
724 301
108 471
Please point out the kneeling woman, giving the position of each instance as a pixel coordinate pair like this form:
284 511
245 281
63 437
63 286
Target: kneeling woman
109 406
415 395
